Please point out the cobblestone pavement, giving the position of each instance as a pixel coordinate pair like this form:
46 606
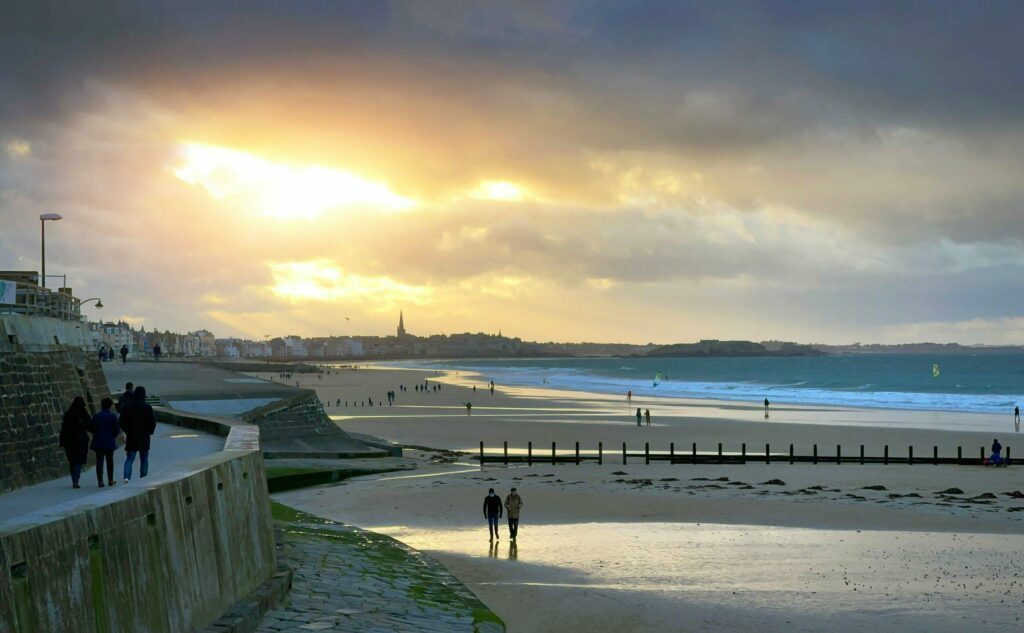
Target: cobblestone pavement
347 579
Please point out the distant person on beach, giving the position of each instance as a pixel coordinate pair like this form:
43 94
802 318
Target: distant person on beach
997 449
74 438
1016 419
474 388
492 512
138 422
647 416
639 416
629 396
469 408
124 354
126 397
513 503
766 405
492 387
105 430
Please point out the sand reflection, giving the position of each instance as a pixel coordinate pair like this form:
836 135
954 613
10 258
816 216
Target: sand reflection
746 574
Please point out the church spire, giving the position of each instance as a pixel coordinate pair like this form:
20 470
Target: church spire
401 324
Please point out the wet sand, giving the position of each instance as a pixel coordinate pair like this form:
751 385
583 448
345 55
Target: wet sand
677 547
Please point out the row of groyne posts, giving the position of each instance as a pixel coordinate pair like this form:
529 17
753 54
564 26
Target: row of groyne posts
720 457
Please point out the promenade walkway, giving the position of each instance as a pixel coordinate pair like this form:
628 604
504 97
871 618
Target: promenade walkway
172 445
197 387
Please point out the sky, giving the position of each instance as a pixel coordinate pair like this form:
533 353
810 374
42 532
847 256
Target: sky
581 171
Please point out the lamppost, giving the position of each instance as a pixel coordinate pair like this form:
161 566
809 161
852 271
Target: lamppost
43 217
99 303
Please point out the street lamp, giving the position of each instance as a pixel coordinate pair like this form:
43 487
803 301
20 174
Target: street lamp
99 303
43 217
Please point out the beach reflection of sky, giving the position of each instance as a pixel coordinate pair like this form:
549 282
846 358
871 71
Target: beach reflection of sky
865 573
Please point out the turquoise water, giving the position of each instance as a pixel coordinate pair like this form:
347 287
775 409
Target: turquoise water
989 383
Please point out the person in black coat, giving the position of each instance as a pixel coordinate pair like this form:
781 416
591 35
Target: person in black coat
74 438
138 423
493 511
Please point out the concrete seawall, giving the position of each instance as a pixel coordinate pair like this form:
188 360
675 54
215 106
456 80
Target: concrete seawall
171 552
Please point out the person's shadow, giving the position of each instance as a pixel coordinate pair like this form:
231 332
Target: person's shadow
492 549
513 550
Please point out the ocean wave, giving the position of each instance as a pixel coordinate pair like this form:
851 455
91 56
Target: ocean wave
576 379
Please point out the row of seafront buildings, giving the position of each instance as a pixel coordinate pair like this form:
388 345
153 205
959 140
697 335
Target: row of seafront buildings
111 335
114 335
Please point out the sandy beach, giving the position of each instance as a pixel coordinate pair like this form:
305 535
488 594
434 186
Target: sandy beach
684 547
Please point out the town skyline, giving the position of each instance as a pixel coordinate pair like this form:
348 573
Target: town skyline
403 344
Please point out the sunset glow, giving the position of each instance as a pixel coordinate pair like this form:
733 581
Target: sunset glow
321 280
499 190
280 190
551 169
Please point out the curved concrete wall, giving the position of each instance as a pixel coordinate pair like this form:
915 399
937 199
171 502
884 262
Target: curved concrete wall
169 553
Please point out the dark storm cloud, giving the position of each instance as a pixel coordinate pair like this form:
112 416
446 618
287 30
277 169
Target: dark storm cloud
945 63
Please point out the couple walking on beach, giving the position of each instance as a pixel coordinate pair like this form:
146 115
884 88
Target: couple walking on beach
493 512
641 415
137 422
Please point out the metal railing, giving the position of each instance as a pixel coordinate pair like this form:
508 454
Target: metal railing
31 299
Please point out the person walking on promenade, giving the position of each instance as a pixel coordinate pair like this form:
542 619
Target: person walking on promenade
74 437
126 397
157 351
639 416
124 354
469 408
513 503
138 423
105 430
647 416
492 387
492 512
1016 419
766 405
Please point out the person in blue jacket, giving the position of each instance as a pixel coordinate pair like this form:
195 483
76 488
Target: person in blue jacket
105 430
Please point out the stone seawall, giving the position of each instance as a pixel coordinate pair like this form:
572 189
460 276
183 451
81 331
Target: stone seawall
170 553
38 380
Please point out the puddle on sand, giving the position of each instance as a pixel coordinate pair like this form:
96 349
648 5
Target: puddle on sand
947 581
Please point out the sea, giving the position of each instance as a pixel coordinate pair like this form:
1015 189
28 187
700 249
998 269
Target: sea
985 383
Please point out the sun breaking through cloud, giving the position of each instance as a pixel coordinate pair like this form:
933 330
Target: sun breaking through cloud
279 190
